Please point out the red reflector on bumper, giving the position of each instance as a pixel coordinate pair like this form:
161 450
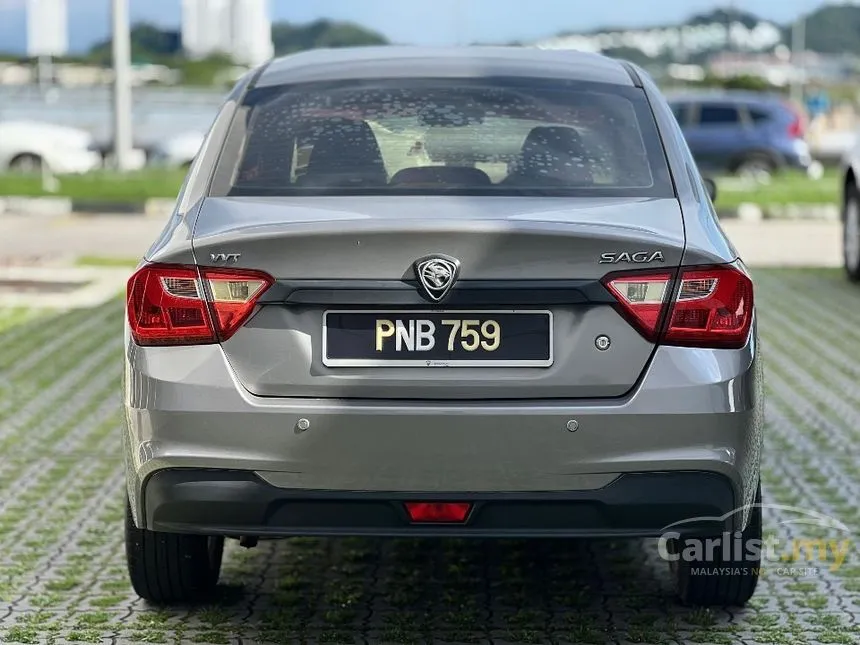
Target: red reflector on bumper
437 511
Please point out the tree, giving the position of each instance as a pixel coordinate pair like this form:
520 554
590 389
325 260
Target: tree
148 43
289 38
205 71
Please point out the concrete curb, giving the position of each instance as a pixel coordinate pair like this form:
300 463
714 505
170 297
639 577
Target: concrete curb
90 286
65 207
162 208
750 212
36 207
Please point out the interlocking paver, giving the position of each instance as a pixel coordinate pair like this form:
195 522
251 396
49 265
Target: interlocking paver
62 576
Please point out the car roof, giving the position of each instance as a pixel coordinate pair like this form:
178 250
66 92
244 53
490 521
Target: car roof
441 62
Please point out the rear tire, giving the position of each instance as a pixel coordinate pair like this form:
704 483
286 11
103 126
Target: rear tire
26 164
726 582
758 167
167 568
851 232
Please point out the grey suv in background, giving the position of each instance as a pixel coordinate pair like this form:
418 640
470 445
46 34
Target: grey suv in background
743 133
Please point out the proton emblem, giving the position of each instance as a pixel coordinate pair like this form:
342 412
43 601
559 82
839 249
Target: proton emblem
436 274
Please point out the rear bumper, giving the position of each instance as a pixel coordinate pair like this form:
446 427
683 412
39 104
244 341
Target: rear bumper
798 155
236 503
694 411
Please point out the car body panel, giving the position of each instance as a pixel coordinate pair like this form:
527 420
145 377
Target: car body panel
379 239
849 163
694 410
440 62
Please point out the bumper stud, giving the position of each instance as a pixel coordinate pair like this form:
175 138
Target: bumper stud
302 425
572 425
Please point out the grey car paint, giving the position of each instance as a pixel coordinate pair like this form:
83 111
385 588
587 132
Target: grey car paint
388 62
378 238
691 409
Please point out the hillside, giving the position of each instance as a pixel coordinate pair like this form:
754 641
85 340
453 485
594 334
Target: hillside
833 29
153 44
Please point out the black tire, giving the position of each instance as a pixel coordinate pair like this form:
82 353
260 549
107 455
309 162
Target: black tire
167 568
851 232
726 582
26 164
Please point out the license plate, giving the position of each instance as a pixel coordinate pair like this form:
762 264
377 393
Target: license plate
483 338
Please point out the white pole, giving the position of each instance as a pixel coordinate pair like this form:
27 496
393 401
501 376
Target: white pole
798 64
122 132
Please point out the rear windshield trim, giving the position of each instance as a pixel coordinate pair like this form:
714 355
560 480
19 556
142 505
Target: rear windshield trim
662 187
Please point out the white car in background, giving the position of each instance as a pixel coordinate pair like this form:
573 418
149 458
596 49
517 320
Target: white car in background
31 146
850 183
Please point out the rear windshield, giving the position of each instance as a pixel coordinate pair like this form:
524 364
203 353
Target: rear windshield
445 136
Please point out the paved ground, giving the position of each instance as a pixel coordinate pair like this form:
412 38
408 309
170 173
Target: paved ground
793 243
25 239
62 574
59 239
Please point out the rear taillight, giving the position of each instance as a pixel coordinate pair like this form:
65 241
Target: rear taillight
797 126
705 306
186 305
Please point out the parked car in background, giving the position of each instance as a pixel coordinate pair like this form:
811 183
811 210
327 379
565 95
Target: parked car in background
177 151
31 146
744 133
105 148
851 212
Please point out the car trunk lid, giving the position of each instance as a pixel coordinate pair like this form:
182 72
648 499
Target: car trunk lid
517 254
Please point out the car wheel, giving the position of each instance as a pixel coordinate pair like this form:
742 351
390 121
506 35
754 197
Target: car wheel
756 167
170 568
851 233
26 164
721 581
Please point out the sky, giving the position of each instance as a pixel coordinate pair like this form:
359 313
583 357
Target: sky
433 22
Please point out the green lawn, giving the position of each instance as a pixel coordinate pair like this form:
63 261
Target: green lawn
787 188
100 186
138 186
103 261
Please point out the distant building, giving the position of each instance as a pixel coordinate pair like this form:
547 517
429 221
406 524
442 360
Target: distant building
252 32
677 42
239 28
47 28
784 69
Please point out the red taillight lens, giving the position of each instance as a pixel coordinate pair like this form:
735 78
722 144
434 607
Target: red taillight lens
437 511
713 306
183 305
795 128
165 307
642 297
